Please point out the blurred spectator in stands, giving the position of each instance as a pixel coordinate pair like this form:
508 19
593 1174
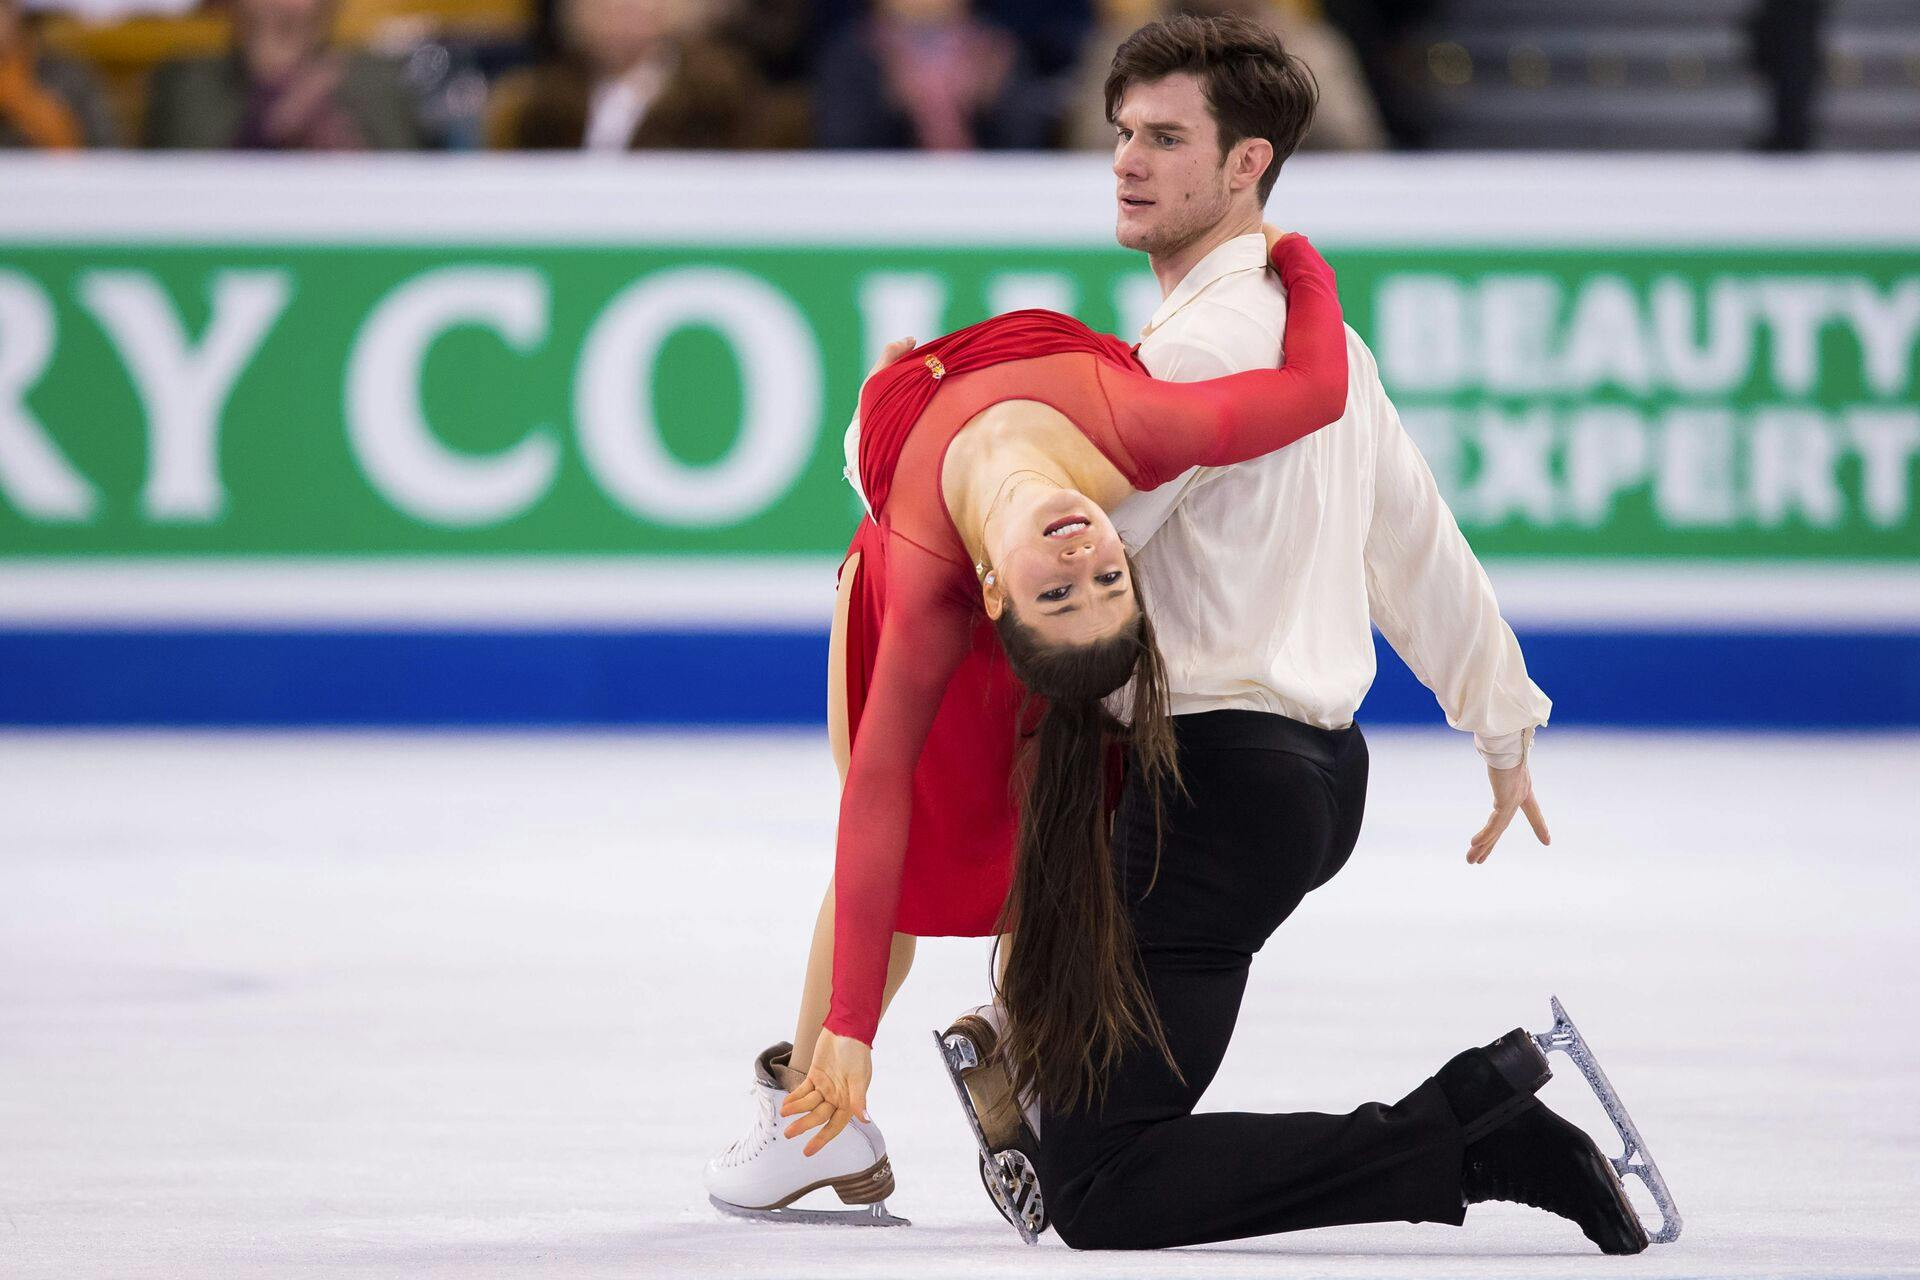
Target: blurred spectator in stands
776 38
46 101
283 87
1381 32
929 74
1052 31
1345 120
1789 50
779 37
631 74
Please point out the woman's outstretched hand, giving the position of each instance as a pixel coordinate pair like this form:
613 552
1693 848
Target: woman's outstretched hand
834 1092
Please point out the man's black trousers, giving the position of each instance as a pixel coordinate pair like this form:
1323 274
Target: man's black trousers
1272 811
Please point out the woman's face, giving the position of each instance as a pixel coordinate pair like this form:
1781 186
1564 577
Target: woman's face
1058 564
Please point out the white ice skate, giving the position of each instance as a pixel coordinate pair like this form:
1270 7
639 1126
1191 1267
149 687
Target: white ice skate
762 1174
1636 1159
1008 1134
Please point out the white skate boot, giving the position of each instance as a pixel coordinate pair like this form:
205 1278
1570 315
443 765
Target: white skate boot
1006 1130
762 1174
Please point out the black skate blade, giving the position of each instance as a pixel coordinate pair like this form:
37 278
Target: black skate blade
992 1174
1636 1159
872 1215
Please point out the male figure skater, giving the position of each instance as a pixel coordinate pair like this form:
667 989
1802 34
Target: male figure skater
1262 579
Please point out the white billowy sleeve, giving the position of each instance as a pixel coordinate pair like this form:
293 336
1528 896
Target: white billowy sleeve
1433 602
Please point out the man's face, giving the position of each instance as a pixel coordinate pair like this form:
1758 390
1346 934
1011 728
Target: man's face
1170 179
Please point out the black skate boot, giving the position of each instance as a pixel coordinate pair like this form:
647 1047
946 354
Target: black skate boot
1520 1151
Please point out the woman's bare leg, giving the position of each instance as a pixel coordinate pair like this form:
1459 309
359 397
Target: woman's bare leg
839 732
818 990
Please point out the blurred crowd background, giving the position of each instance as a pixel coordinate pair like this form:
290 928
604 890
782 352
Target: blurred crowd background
935 75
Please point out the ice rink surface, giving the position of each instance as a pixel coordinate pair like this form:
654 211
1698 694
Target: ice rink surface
421 1006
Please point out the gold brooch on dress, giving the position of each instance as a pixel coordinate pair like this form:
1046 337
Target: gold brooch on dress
938 370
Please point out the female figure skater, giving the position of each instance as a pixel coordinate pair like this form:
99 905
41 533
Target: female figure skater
986 459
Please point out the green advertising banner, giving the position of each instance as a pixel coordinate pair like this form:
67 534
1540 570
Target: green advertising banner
558 440
352 398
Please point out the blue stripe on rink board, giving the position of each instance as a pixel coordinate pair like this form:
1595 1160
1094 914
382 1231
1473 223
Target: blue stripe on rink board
504 678
188 677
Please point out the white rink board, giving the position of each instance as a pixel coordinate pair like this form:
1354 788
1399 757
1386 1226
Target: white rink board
420 1006
751 593
1466 198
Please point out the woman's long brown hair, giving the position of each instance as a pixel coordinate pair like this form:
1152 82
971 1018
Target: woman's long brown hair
1072 985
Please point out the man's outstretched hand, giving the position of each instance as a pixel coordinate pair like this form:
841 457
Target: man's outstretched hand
1512 793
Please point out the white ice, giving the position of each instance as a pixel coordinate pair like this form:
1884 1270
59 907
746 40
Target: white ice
420 1006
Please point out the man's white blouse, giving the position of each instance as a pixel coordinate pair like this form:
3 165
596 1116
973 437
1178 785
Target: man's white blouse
1263 577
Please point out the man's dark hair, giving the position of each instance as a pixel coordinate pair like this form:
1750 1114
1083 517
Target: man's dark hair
1255 88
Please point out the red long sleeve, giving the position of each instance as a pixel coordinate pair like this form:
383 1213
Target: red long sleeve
1167 427
923 640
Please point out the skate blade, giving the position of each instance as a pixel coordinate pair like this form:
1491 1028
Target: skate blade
873 1215
1011 1182
1636 1159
